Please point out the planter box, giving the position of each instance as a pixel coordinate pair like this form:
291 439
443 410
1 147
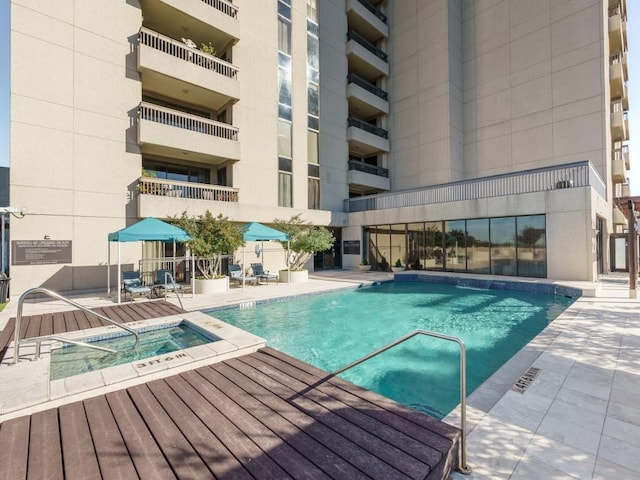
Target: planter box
364 268
298 276
397 269
213 285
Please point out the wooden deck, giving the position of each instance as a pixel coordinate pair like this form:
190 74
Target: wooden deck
260 416
60 322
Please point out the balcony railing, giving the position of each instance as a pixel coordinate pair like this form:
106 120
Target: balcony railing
361 82
572 175
225 7
194 191
354 122
372 169
174 118
183 52
374 10
355 36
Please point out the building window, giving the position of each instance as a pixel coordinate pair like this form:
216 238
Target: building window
285 189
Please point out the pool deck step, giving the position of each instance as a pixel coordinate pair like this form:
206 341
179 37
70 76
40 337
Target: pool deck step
69 321
260 416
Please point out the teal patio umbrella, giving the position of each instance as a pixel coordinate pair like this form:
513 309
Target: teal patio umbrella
257 232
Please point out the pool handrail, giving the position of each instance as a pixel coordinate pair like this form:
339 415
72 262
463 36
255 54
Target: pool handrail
462 459
38 340
168 280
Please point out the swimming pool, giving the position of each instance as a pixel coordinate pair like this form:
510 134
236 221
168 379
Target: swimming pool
73 360
332 330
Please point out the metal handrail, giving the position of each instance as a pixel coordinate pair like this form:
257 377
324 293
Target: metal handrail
462 463
16 339
168 276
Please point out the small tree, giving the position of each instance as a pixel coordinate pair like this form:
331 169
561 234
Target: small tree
211 238
305 239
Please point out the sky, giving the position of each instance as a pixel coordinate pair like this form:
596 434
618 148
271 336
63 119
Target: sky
633 36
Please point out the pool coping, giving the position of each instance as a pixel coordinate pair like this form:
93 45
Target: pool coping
27 386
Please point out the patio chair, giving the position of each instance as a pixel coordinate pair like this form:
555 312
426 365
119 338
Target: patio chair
260 273
236 275
131 283
164 281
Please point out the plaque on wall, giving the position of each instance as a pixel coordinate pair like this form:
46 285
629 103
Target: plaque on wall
40 252
351 247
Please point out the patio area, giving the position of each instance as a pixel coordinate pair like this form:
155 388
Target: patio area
579 416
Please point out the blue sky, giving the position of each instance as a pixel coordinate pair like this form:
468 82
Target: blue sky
633 34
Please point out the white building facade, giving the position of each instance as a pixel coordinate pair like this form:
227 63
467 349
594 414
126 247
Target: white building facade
457 135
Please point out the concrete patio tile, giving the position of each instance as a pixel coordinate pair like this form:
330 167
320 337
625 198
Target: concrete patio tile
582 401
620 452
624 413
624 431
606 470
570 434
533 468
572 461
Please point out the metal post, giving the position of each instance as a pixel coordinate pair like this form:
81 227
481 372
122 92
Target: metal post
4 266
633 257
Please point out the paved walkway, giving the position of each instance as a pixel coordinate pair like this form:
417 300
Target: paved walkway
580 416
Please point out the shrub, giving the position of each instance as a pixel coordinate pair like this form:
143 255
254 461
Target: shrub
305 240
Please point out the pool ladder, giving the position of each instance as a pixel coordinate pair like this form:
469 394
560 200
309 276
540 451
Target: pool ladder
38 340
462 459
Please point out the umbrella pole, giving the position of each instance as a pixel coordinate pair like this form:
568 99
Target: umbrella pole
108 269
119 274
243 260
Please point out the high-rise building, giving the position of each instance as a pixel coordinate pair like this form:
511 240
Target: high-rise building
461 135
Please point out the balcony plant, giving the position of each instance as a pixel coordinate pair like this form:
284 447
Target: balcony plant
211 239
305 240
145 188
364 266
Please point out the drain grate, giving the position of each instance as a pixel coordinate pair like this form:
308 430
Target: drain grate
525 380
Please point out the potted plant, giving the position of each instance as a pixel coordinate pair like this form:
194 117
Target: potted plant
364 266
398 267
211 239
305 240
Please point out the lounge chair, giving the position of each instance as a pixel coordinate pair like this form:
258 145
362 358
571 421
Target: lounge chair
131 283
164 281
236 275
259 272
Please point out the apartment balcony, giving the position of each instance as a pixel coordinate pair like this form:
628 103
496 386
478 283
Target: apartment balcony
617 32
365 99
619 126
214 21
367 19
622 153
622 190
366 139
165 198
171 133
364 58
365 179
618 172
618 86
173 69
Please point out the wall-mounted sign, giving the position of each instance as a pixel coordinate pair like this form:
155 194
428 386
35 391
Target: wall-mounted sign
40 252
351 247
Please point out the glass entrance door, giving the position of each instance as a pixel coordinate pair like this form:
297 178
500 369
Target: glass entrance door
619 253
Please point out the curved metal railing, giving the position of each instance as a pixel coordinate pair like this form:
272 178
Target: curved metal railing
462 462
38 340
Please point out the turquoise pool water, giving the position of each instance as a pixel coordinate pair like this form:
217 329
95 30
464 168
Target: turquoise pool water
332 330
73 360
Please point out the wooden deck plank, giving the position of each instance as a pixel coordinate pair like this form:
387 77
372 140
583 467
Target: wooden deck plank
70 322
46 326
265 424
378 459
182 457
83 320
238 443
58 323
213 452
44 441
78 454
145 454
14 447
393 413
440 440
32 328
293 426
112 453
6 337
143 310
